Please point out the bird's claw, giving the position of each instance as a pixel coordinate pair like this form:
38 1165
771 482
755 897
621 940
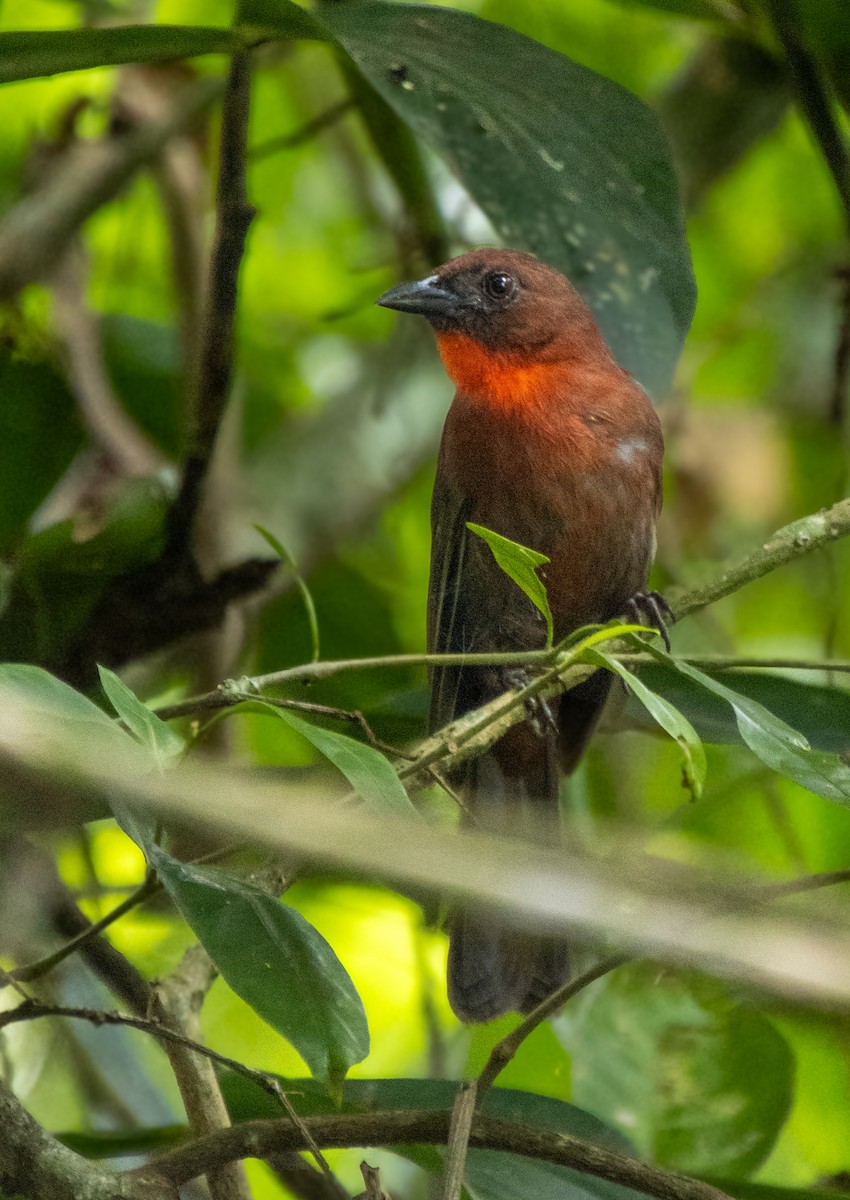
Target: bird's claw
540 715
650 608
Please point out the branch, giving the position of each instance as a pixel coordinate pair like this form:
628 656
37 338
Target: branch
289 141
215 368
36 1165
784 546
813 97
257 1139
787 544
36 233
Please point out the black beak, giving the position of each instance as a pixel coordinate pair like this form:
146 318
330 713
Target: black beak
426 297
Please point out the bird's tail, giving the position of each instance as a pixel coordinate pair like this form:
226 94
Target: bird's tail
494 967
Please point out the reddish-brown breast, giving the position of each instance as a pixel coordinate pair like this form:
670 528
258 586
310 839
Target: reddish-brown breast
562 456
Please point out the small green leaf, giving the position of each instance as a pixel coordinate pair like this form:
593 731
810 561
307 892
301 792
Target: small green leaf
301 582
668 717
276 961
520 564
774 743
368 772
163 743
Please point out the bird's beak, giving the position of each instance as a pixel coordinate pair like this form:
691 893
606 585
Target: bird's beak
426 297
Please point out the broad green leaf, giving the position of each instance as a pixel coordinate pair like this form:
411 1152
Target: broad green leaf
368 772
668 717
564 162
773 742
821 713
276 961
163 743
27 55
702 1083
520 563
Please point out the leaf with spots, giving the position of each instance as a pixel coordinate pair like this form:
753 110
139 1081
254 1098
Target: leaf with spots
565 163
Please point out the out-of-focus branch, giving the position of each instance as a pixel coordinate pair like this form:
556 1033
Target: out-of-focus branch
38 230
36 1165
289 141
815 101
813 96
126 447
212 383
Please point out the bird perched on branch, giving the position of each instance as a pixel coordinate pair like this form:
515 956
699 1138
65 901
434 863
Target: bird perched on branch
550 443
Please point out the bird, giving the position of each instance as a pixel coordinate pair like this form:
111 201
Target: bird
551 443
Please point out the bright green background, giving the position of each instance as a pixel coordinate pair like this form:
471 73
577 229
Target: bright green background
706 1079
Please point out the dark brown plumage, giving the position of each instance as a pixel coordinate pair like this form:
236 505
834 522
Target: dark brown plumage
551 443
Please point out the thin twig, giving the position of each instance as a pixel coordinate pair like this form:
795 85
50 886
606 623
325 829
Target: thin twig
288 141
504 1051
35 970
460 1126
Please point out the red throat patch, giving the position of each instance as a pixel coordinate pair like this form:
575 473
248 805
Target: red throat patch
503 380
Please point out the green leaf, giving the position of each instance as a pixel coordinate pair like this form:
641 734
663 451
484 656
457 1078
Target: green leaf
520 564
163 743
368 772
309 607
668 717
774 743
702 1083
564 162
57 702
822 714
27 55
276 961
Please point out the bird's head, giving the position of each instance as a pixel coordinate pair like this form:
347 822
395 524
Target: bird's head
508 301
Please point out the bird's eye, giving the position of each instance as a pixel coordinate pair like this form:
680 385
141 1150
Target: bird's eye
498 286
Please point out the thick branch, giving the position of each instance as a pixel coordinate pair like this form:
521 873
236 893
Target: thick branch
36 1165
260 1138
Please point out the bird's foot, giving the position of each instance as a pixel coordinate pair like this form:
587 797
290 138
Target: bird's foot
650 608
540 715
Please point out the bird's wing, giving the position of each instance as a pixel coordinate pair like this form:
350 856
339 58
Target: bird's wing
447 599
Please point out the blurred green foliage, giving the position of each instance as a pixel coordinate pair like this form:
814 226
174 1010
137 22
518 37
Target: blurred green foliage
329 443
